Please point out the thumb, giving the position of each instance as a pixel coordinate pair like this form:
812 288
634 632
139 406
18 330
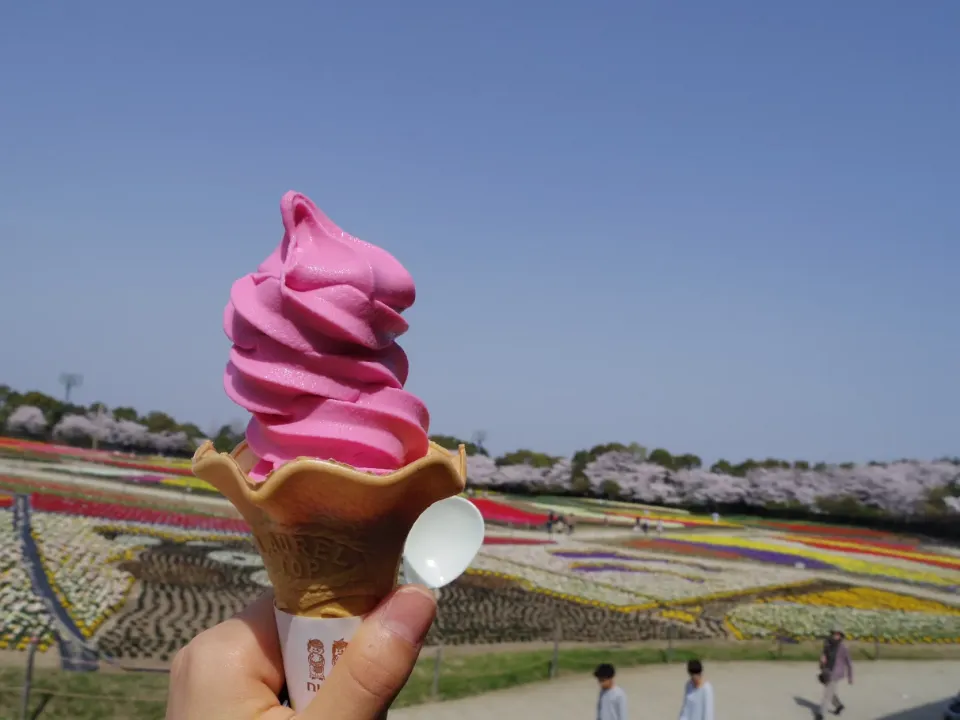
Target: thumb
379 659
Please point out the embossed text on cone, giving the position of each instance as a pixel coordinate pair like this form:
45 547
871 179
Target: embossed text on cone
331 536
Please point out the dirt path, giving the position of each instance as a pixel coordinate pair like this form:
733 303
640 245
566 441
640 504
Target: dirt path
889 690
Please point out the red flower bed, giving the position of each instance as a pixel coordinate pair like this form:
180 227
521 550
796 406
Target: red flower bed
42 448
164 469
678 548
110 511
5 501
118 495
516 541
879 544
98 456
863 549
494 511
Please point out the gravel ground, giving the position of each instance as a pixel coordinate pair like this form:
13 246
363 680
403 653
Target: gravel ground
890 690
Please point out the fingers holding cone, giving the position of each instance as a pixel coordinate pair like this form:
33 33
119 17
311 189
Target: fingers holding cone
379 659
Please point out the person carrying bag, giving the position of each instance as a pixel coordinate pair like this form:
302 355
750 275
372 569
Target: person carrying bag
835 665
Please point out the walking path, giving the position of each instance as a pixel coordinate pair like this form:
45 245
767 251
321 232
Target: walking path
885 690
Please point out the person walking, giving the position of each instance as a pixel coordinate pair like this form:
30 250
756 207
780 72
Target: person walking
835 666
697 695
612 703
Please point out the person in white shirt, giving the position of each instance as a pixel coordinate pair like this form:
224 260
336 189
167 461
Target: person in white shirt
697 695
612 703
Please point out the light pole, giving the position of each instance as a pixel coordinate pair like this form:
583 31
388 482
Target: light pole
69 382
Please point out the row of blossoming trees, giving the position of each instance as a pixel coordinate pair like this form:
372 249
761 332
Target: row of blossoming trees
99 429
38 416
904 487
922 495
872 492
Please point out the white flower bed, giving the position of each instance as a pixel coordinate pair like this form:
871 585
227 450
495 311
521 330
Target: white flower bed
77 562
561 583
81 563
806 620
23 612
661 581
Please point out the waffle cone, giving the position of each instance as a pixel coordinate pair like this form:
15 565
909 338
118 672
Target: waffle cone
331 537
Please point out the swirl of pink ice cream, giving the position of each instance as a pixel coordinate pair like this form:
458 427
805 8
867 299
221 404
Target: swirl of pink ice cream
314 356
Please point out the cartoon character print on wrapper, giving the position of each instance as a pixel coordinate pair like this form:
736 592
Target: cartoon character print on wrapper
315 658
338 647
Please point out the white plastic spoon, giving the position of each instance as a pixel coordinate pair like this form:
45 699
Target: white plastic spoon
442 542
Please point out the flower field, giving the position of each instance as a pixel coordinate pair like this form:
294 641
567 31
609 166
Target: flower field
23 612
139 581
781 550
500 512
157 465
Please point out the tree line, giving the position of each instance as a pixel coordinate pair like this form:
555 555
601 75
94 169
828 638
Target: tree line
43 417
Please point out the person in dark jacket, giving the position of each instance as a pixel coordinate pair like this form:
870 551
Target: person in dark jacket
835 666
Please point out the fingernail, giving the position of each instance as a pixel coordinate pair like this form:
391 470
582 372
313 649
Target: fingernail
409 613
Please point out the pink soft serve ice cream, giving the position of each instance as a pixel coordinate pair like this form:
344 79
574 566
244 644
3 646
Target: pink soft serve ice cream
314 356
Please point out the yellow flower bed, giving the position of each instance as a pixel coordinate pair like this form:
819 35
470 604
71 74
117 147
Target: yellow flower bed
837 559
864 598
685 520
881 551
681 615
188 481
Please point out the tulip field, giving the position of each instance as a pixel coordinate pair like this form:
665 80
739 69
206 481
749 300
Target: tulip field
136 579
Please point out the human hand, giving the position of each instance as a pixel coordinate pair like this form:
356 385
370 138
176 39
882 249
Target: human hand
234 670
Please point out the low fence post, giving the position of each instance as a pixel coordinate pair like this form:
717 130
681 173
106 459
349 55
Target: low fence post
28 678
876 641
437 661
555 660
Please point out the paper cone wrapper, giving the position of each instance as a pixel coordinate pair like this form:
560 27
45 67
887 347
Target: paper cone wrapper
331 538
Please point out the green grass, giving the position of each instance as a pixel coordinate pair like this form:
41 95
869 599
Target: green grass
114 696
117 696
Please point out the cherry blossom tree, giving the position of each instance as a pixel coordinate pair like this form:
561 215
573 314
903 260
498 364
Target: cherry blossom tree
894 489
27 420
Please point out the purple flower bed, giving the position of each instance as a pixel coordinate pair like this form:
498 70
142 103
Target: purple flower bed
146 478
764 556
614 567
608 567
582 555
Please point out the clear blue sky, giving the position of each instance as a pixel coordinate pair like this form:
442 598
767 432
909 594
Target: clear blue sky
730 228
